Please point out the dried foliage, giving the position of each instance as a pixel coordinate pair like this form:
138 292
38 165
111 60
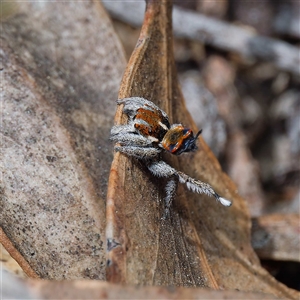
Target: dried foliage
56 152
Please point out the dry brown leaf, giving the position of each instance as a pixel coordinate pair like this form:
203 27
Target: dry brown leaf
62 66
202 243
276 237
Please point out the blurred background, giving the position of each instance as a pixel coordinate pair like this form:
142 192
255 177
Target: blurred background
246 98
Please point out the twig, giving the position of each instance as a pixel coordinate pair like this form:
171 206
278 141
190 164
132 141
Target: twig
194 26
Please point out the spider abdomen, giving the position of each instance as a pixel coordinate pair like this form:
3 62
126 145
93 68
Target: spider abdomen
150 122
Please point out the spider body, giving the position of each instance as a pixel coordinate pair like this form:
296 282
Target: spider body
148 133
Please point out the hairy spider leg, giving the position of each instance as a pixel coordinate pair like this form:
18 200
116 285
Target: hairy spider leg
133 104
170 189
162 169
131 139
143 153
119 129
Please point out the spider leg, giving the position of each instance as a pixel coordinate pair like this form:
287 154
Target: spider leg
132 139
162 169
200 187
171 187
119 129
132 104
139 152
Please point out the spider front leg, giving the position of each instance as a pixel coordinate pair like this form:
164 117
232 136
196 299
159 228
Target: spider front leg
201 187
162 169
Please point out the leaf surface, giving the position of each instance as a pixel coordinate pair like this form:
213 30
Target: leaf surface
62 65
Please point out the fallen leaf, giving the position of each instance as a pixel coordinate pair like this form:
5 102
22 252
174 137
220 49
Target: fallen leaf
202 243
61 68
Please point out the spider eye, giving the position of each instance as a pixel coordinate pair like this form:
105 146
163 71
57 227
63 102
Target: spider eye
188 144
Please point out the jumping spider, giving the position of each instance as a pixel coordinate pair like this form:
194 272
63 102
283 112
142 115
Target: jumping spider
147 134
